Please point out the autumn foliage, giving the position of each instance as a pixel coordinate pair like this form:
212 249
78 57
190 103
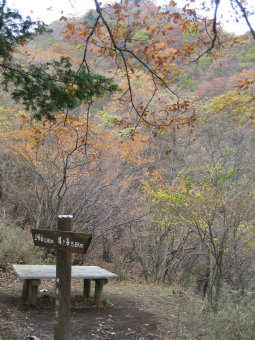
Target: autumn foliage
153 151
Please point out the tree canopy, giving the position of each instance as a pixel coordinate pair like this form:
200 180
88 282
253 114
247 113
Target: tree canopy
45 88
58 85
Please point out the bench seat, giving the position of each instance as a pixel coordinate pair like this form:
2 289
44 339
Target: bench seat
33 274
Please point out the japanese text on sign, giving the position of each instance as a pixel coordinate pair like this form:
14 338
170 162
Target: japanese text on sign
67 242
41 238
61 240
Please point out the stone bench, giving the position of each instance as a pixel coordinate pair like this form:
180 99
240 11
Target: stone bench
33 274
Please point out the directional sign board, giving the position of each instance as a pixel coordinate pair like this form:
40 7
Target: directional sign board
62 240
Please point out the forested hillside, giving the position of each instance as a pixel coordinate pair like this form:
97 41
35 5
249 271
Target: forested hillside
159 166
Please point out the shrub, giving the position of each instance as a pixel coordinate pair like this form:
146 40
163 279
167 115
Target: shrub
233 320
16 246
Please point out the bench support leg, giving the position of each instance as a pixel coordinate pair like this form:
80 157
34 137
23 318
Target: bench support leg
25 290
99 292
86 288
30 291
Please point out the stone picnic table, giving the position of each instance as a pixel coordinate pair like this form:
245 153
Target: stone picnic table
33 274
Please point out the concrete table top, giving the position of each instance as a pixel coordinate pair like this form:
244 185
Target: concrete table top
30 272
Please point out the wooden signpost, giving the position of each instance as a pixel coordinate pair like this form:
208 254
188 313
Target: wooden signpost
61 240
65 242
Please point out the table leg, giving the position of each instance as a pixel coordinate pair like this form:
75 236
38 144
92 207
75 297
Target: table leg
25 290
99 291
86 288
32 291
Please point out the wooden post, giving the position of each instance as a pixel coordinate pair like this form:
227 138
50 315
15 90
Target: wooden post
63 284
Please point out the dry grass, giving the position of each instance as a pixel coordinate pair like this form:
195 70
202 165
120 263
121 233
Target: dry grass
176 314
182 315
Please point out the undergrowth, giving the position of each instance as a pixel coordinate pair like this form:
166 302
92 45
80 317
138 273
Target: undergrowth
16 246
183 315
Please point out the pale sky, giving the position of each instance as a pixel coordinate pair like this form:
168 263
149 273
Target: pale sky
51 10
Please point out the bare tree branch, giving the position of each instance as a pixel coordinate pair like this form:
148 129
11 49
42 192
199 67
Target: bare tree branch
244 12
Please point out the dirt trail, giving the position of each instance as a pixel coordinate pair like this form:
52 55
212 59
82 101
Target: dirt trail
122 318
